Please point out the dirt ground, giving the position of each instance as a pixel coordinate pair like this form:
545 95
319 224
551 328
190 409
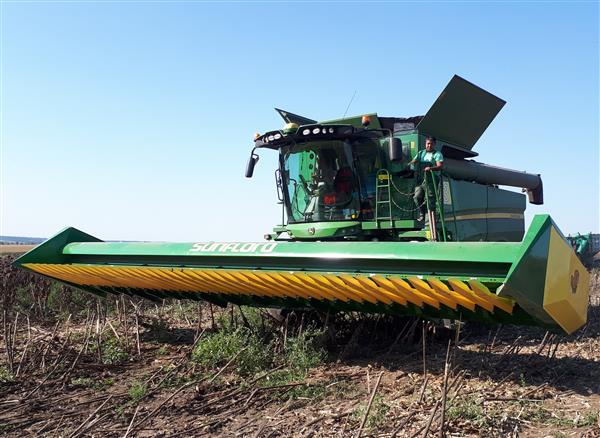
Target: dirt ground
15 249
62 377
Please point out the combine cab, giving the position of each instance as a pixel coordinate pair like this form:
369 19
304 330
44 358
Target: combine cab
354 239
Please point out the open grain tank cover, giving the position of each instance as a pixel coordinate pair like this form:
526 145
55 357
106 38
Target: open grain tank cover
461 114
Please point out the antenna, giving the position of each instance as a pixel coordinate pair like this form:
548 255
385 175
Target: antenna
349 103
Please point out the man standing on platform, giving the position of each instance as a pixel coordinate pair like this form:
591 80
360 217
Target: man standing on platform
428 160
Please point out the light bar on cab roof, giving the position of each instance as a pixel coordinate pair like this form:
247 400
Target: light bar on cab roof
306 132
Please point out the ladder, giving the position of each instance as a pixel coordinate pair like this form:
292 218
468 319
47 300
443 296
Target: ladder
383 196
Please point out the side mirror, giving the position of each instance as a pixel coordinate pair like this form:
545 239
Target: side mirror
251 163
395 150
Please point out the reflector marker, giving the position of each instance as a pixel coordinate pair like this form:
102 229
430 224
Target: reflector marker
385 289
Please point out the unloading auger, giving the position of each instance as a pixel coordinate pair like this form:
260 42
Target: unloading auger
353 240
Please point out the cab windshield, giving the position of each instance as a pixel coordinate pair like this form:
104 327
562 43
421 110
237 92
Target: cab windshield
325 181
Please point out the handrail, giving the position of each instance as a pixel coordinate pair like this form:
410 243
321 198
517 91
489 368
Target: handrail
438 205
453 210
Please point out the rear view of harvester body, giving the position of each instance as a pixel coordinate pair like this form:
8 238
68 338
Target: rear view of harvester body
351 237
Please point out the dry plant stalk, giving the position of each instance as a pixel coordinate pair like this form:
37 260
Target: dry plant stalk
364 420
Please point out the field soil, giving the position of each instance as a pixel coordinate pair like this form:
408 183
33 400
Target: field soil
15 249
73 365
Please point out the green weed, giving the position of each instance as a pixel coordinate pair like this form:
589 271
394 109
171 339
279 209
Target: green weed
305 351
377 414
220 347
538 414
467 409
162 351
5 375
256 349
136 392
120 410
83 381
590 419
65 300
112 351
175 379
300 354
24 297
94 384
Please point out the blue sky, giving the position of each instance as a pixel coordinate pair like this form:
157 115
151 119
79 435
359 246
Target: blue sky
135 120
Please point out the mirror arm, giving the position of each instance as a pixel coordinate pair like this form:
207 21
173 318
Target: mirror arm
251 163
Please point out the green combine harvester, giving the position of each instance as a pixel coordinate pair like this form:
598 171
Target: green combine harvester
352 237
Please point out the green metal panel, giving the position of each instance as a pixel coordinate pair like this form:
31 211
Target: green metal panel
386 225
477 212
323 229
468 202
461 113
527 275
484 252
51 251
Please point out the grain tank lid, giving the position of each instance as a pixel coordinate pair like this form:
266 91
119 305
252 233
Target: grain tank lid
461 113
289 117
